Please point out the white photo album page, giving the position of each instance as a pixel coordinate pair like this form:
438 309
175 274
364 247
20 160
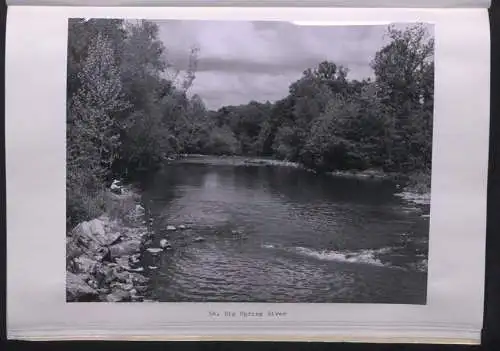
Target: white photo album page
247 173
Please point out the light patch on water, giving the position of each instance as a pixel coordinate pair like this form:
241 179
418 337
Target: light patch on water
422 265
419 199
364 256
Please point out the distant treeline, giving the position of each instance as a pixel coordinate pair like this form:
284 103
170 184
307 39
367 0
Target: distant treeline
125 115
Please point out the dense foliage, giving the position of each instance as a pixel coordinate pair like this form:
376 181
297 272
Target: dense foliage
125 116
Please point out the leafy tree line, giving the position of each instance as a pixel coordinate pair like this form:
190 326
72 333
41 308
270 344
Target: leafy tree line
329 122
126 115
123 115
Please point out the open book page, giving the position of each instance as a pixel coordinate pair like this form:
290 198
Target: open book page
246 173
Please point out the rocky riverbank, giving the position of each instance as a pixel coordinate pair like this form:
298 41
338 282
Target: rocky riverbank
417 189
102 254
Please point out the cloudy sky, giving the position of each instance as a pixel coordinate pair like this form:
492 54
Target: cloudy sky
243 61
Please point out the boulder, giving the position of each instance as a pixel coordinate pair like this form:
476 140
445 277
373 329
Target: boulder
138 278
124 248
77 288
90 237
123 277
114 274
182 226
113 238
198 239
126 287
138 269
93 284
118 295
164 243
141 288
116 187
85 264
154 250
171 227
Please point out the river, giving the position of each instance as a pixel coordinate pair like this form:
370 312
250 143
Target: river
281 234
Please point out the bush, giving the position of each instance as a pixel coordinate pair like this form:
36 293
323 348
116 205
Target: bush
84 197
419 183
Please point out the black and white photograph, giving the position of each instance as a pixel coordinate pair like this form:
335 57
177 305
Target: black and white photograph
248 161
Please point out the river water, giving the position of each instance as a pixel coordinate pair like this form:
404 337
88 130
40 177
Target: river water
280 234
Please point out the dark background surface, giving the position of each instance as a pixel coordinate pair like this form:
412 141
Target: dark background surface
491 332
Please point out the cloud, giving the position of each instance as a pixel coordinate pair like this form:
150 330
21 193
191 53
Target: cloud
233 88
242 61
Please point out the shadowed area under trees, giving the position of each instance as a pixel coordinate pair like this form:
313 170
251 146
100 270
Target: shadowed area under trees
126 117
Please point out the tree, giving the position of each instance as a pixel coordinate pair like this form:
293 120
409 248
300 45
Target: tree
404 71
92 107
92 135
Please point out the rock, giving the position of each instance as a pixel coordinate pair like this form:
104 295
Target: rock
138 269
141 288
93 284
118 295
85 264
117 190
152 267
97 228
109 274
171 227
117 275
138 278
198 239
113 238
72 248
164 243
182 226
123 261
127 287
133 292
116 187
128 247
77 289
154 250
90 237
